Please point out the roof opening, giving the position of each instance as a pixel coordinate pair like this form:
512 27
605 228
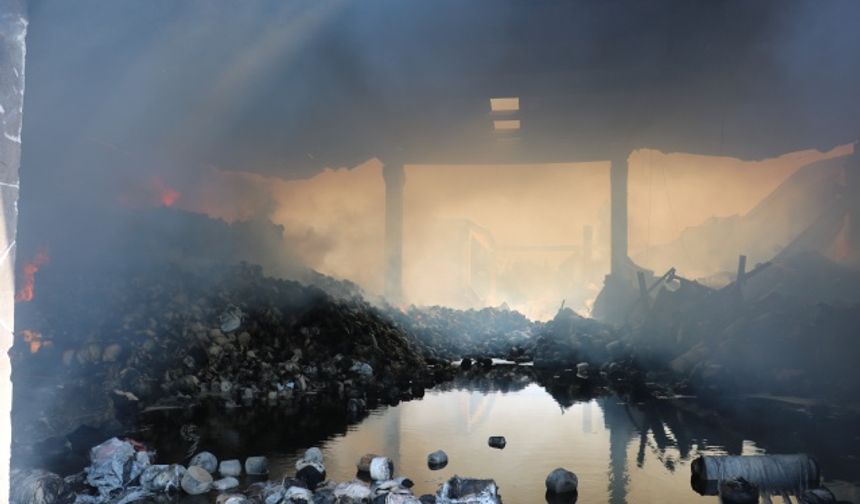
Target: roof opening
506 125
511 104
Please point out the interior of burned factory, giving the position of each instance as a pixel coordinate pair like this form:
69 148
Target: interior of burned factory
429 251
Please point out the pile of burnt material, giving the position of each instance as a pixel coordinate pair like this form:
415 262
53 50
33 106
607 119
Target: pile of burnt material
94 348
569 339
753 340
581 355
454 334
786 328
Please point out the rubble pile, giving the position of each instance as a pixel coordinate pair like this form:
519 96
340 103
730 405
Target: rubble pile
778 346
117 344
765 336
448 333
570 338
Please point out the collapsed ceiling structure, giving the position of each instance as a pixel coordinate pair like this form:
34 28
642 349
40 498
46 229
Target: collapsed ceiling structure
291 88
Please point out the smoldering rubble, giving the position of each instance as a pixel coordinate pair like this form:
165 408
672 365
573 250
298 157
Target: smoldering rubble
121 344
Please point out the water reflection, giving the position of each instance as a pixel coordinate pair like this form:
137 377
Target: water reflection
622 451
615 418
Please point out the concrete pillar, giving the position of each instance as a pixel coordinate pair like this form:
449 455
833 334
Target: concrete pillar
618 221
395 180
587 244
13 27
585 258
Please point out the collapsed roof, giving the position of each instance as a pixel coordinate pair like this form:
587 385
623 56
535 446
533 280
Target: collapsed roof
287 88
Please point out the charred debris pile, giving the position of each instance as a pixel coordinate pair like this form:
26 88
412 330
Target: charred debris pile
100 347
117 334
494 332
787 328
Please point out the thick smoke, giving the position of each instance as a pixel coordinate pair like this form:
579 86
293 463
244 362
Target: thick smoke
149 104
534 215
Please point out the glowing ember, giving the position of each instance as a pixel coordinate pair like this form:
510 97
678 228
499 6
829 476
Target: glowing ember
166 194
34 339
28 276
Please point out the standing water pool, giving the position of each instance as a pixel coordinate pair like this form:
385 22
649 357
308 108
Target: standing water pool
622 453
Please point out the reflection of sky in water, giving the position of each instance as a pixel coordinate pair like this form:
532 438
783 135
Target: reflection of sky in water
599 440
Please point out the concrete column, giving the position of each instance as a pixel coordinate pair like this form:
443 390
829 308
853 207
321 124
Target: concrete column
13 27
618 222
395 180
587 244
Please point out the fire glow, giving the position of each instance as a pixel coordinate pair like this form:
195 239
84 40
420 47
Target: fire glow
34 340
167 195
28 276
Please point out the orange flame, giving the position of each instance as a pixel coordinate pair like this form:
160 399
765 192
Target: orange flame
166 194
28 281
34 339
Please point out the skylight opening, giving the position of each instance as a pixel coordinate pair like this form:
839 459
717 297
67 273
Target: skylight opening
511 104
506 124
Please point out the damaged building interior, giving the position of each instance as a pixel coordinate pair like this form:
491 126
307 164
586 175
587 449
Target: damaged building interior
415 251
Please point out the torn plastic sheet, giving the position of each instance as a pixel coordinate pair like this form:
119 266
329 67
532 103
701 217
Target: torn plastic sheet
114 466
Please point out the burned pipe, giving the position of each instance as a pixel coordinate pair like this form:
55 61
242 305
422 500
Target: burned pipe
769 473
